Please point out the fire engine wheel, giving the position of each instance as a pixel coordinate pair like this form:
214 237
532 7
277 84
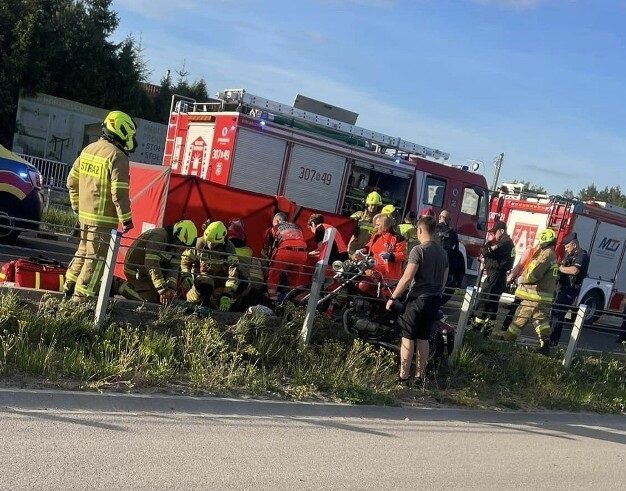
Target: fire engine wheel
594 300
8 233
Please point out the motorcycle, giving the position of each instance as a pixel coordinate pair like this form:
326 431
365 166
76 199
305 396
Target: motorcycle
360 295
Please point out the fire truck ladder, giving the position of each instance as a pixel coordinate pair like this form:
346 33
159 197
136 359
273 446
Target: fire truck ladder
242 98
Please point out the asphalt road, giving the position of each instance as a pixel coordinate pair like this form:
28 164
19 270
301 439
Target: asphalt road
227 444
601 339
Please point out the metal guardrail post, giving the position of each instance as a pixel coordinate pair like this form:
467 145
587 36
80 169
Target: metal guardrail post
466 310
573 339
107 279
318 281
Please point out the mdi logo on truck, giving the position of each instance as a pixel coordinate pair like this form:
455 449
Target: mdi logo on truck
313 154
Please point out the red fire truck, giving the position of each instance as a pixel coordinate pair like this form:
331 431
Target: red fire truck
313 154
601 231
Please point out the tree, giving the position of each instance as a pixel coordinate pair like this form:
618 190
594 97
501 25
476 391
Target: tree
62 47
611 195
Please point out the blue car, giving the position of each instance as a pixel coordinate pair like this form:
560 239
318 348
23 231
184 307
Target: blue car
21 196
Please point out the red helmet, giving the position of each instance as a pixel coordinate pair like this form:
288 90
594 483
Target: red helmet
236 230
427 212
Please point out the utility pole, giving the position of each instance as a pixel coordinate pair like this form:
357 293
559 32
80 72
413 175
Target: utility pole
496 171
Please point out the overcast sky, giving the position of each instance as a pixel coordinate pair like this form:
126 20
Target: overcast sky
542 81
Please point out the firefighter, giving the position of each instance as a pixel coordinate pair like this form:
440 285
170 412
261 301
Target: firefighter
288 254
98 185
339 251
387 247
391 211
537 284
365 222
250 266
152 263
215 257
409 231
572 272
498 258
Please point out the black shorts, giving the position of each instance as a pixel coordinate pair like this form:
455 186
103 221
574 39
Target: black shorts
419 316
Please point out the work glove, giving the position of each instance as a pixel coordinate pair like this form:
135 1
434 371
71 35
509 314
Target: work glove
166 296
388 256
225 303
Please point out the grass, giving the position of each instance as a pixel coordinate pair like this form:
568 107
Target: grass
54 342
57 219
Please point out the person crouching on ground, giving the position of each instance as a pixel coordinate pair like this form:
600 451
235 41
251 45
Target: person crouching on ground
426 272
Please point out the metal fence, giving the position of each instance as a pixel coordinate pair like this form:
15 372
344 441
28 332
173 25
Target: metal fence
463 305
54 173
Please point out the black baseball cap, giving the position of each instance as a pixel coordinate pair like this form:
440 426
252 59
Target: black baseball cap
498 225
569 238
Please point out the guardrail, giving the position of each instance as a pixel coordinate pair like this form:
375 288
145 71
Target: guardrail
53 172
463 304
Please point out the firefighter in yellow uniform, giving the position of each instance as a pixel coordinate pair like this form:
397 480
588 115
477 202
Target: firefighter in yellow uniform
409 231
537 284
98 185
215 268
252 291
152 263
365 222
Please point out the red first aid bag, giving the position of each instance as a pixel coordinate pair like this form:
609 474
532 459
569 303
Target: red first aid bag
39 273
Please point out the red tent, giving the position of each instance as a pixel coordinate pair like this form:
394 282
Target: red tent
148 196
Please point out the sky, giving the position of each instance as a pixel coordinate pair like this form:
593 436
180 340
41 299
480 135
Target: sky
543 81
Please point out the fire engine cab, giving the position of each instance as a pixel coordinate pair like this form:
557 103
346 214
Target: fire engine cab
313 154
601 231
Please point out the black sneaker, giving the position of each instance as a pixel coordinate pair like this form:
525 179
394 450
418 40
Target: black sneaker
544 349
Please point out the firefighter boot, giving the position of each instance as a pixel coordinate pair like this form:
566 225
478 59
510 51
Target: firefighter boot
68 289
544 346
487 328
478 323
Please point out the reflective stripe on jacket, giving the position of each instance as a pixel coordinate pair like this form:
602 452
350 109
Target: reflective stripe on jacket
98 185
538 279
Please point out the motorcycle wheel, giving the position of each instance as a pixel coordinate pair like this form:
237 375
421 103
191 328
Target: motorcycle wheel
436 344
295 296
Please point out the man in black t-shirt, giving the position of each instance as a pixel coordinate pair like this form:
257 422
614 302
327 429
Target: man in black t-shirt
426 273
572 272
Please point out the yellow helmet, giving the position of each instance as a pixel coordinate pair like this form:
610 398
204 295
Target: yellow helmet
388 210
215 233
373 199
186 232
547 237
121 128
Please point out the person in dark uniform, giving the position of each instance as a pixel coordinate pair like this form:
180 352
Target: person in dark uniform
498 258
572 272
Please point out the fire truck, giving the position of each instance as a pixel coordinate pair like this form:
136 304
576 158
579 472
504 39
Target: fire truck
314 154
601 231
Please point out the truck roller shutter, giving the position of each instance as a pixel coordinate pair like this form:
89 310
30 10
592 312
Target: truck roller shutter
258 162
314 178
